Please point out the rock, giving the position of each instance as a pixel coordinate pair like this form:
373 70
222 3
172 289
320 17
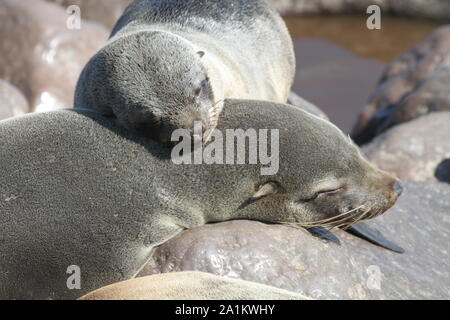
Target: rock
12 101
325 265
434 9
414 84
106 12
296 100
40 55
190 286
414 150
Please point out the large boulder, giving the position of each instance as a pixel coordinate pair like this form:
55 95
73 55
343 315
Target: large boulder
106 12
328 265
413 85
40 55
415 150
12 101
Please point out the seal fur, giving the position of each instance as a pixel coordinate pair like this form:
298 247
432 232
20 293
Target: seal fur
89 193
171 63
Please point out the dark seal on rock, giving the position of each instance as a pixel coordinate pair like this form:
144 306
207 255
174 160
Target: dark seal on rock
89 193
170 64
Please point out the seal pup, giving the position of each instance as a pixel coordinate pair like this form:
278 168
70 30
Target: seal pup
171 63
190 286
90 193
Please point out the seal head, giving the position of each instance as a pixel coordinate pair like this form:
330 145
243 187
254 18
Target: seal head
137 86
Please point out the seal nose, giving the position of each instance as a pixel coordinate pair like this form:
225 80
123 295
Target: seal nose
398 188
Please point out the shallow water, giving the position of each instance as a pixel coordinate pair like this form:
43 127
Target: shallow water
339 61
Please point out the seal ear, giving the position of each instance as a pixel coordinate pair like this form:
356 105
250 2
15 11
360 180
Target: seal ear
265 190
201 53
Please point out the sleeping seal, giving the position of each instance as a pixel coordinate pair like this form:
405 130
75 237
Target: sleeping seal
90 193
171 63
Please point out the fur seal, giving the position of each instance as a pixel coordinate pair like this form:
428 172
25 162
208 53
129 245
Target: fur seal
90 193
190 286
171 63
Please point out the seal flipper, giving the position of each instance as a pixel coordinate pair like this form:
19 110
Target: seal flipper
363 231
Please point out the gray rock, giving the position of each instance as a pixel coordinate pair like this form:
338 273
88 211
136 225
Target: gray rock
414 150
40 55
434 9
414 84
12 101
296 100
327 265
106 12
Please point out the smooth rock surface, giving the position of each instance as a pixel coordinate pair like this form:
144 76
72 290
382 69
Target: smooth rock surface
413 85
414 150
341 267
40 55
12 101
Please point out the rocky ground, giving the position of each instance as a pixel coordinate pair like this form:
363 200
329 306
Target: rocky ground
403 129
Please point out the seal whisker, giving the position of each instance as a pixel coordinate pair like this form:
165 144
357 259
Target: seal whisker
326 222
360 218
347 221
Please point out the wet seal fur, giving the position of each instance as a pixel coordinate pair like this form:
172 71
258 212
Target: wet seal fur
171 63
190 286
88 192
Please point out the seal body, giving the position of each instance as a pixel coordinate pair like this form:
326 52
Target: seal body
190 286
89 193
171 63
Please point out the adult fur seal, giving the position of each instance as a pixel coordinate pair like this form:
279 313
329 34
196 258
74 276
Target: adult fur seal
89 193
190 286
171 63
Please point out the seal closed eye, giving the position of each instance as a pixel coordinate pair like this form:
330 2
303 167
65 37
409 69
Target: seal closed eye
169 64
